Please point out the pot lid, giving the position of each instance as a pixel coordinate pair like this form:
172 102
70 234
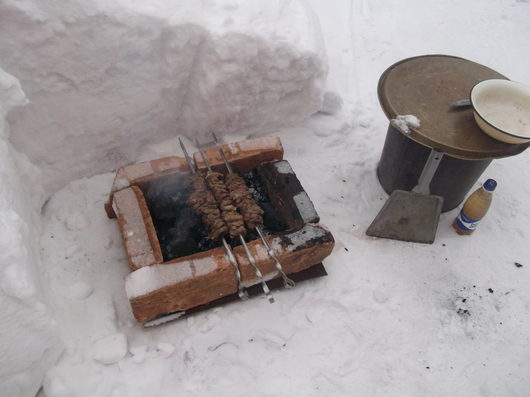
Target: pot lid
425 86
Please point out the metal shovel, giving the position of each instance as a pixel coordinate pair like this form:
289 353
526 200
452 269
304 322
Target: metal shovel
411 216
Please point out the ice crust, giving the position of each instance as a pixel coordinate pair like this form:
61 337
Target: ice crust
106 78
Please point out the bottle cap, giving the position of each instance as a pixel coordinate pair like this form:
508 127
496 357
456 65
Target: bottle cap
490 185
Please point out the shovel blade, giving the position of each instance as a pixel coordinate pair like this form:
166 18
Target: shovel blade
408 216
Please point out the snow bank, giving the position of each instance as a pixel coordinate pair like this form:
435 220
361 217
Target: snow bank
29 341
105 78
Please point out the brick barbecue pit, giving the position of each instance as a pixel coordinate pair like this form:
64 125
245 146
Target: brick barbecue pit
175 268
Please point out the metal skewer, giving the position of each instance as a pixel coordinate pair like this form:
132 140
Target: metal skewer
250 257
287 282
242 293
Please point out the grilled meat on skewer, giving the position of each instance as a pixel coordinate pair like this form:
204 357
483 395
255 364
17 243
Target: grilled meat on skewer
232 218
244 201
204 203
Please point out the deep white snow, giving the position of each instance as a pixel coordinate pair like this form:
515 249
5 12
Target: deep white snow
107 77
29 336
391 318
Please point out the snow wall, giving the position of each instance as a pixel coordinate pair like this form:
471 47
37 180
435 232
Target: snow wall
29 337
104 78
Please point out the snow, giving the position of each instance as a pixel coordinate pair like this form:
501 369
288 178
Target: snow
110 349
331 103
405 122
166 349
164 319
303 236
105 78
151 278
391 318
76 221
81 290
305 206
283 167
138 353
29 337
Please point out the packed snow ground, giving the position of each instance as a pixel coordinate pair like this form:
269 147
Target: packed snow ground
392 318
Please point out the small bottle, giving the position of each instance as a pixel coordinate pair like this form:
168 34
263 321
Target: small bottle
475 208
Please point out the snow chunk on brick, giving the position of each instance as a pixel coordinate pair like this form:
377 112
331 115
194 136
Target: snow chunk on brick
305 207
302 237
284 167
150 278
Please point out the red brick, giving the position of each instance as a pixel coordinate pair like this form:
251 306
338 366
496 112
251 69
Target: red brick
199 288
136 227
243 156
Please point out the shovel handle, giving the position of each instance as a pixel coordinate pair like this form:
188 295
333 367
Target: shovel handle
423 186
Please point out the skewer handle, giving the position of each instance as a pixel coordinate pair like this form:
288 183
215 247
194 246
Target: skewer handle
250 257
287 282
203 156
227 163
243 295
